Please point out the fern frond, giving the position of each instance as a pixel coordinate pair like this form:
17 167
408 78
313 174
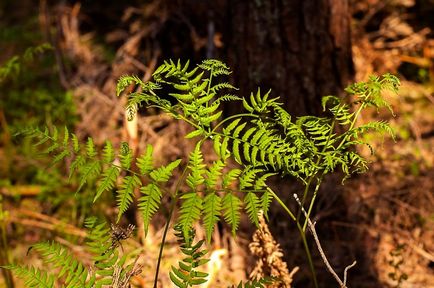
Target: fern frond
228 98
190 211
213 174
197 169
108 152
265 202
32 276
87 172
145 162
73 272
164 173
126 192
252 207
216 67
108 181
187 274
90 148
230 177
149 203
257 283
212 206
126 156
232 210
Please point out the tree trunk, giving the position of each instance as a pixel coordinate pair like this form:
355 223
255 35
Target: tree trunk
299 49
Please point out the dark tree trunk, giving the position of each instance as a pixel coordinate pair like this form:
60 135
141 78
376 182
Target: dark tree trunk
301 49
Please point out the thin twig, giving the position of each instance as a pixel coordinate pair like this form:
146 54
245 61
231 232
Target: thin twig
346 271
311 226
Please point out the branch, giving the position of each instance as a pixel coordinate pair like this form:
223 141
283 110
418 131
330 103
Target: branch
342 284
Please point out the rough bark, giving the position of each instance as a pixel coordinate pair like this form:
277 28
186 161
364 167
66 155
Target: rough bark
300 49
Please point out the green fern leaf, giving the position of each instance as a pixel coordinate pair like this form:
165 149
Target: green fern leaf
108 153
75 143
77 164
194 133
190 211
213 174
145 161
266 200
230 177
108 181
125 193
212 207
197 168
90 148
232 207
126 156
163 173
149 203
32 277
231 126
252 207
90 171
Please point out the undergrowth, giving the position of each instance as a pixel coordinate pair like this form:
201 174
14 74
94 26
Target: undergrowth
264 141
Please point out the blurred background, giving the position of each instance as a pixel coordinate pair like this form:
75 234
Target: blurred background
59 64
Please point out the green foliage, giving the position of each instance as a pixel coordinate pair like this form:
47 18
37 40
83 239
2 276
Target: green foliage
265 141
187 274
62 269
12 68
257 283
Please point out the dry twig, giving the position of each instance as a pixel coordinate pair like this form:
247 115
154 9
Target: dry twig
342 283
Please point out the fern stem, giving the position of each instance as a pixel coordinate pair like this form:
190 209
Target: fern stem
282 204
209 83
305 192
163 241
309 211
356 115
166 228
302 235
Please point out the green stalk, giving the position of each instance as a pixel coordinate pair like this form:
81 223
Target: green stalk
302 235
318 184
166 228
305 193
163 241
356 115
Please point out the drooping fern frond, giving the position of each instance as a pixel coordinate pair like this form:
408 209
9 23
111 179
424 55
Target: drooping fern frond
187 275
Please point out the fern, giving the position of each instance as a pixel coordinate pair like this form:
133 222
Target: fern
67 271
125 194
257 283
264 141
149 203
187 274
